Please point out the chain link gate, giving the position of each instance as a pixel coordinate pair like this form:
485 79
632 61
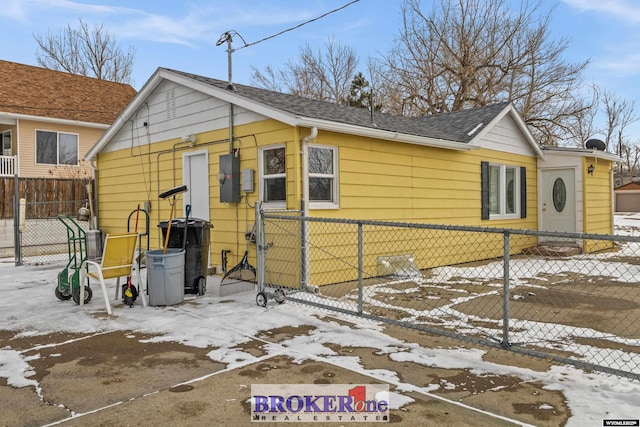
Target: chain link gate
42 238
490 286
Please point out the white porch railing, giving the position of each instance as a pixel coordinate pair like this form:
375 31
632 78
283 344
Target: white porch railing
7 165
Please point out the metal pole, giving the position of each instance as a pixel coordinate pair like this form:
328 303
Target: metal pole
505 292
360 290
260 249
17 248
304 279
229 56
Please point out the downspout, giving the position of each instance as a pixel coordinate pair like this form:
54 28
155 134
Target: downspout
305 205
93 220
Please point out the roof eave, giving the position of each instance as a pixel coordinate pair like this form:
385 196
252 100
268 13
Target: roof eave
584 152
368 132
18 116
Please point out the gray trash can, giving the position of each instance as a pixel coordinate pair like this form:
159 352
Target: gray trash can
165 275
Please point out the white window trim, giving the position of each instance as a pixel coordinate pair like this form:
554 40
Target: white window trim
503 192
335 204
270 205
77 165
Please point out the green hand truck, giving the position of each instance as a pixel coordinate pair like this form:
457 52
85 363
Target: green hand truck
69 278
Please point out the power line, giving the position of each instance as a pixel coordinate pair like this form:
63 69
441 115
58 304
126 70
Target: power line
299 25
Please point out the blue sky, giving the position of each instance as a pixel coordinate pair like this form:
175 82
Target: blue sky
183 34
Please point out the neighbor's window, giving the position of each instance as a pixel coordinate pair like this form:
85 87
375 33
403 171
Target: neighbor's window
504 190
323 182
6 143
273 180
56 148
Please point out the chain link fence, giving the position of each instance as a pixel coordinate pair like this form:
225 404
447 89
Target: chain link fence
44 239
572 298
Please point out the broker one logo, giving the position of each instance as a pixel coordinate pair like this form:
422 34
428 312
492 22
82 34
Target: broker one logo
319 402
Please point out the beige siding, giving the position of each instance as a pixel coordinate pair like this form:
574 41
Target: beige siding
87 137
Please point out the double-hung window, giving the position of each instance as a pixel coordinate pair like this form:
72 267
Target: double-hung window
273 179
323 182
503 191
56 148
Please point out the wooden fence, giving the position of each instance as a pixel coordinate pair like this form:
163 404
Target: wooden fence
46 197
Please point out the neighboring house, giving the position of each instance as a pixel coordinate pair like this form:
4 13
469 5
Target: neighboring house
478 167
49 119
627 197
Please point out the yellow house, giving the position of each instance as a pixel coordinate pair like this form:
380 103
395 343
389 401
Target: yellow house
233 145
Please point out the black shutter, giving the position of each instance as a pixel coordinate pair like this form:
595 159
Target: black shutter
484 182
523 192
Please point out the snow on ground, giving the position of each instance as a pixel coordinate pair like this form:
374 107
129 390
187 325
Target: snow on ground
28 305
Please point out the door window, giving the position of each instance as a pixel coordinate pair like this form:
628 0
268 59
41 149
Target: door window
559 195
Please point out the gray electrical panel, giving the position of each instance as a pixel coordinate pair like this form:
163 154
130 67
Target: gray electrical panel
247 180
229 178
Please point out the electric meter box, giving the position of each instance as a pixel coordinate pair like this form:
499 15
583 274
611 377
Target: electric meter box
229 178
247 180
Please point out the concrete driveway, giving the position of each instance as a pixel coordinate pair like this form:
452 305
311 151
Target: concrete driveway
194 363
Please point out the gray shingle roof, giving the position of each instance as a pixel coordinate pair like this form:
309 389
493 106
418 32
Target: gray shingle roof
455 126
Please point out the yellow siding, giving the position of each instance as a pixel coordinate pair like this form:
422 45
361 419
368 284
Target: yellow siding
392 181
87 137
379 180
389 181
598 202
128 177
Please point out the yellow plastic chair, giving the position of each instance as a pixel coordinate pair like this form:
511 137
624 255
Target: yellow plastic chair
118 260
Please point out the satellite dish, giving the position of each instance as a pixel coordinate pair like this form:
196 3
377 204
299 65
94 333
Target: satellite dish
595 144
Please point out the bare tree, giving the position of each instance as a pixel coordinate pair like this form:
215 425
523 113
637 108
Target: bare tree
470 53
86 51
619 114
585 120
319 75
630 163
269 79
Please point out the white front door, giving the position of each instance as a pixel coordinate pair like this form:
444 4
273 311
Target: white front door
195 175
558 199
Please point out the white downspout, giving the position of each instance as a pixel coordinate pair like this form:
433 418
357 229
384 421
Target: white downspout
305 204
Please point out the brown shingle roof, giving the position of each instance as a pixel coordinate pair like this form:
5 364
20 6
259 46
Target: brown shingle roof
632 186
35 91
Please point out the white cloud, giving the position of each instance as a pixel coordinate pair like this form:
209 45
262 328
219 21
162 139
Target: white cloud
37 6
13 9
184 23
628 10
626 65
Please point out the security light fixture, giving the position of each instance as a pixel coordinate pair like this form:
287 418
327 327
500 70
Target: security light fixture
590 169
